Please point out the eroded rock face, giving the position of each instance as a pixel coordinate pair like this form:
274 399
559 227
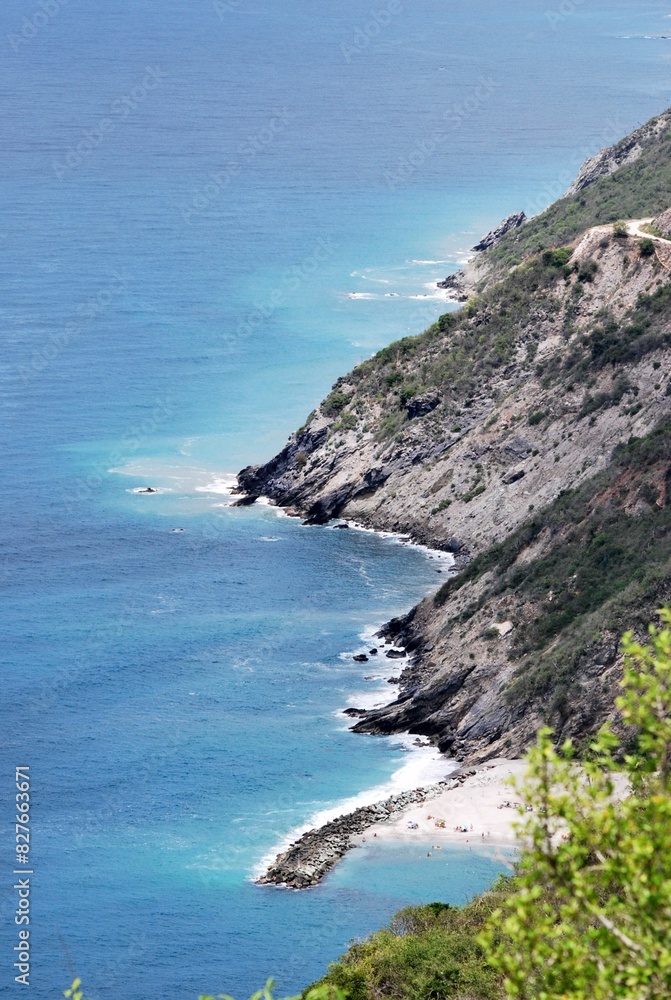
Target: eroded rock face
460 482
513 221
663 224
457 284
419 406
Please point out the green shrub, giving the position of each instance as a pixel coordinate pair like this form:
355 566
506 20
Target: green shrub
407 392
646 247
586 271
589 915
557 258
348 422
427 953
477 490
335 402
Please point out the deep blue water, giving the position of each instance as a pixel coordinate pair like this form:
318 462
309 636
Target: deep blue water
209 211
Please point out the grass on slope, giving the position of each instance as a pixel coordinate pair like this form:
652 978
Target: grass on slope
460 356
641 189
455 357
459 353
607 552
428 952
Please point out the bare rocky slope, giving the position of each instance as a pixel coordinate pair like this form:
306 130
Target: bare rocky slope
527 433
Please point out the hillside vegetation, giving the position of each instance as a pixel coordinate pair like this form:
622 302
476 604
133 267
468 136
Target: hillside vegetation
635 190
528 434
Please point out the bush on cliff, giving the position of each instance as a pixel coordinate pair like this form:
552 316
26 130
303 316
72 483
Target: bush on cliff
427 952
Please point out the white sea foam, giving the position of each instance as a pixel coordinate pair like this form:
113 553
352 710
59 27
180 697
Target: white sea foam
422 766
446 262
378 697
220 484
174 476
403 539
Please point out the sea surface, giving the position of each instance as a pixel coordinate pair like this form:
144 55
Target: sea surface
209 211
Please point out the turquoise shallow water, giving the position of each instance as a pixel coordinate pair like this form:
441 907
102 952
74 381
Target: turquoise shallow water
176 693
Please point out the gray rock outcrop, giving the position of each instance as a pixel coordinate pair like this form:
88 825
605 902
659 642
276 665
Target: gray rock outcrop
607 161
513 221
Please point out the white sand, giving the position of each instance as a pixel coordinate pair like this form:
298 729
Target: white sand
478 803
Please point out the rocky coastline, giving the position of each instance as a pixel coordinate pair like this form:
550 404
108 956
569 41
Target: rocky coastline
305 863
527 434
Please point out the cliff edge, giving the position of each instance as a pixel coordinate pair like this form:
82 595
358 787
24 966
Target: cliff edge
529 434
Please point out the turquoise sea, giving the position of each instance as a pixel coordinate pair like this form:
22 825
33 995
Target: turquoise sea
209 211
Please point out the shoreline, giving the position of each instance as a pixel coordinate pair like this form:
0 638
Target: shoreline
410 817
305 861
478 810
309 858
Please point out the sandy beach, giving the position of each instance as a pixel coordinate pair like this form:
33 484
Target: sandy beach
477 804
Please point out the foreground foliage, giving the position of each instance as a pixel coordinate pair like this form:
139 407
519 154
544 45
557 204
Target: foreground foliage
588 915
316 993
591 917
426 952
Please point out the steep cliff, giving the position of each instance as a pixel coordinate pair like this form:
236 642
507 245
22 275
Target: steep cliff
528 433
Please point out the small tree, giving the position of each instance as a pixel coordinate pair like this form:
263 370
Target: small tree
592 914
620 229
